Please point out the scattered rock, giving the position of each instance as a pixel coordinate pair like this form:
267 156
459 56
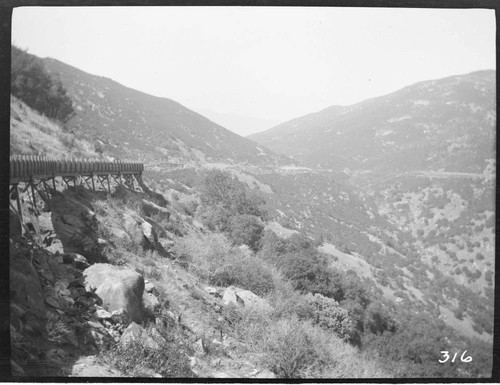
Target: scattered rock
120 316
79 261
100 337
95 325
151 302
118 288
118 233
147 231
240 297
266 373
102 242
212 291
150 208
167 244
149 287
77 282
101 313
85 302
56 246
89 367
136 333
199 347
76 292
51 301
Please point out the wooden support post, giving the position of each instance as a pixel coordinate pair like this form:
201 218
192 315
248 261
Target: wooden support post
33 198
109 187
11 190
93 185
47 192
18 200
54 182
100 179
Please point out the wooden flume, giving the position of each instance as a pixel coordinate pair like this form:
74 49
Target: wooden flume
35 172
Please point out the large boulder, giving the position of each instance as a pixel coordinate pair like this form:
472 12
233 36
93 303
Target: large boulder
240 297
132 227
138 229
118 288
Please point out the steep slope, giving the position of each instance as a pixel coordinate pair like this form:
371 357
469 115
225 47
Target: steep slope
446 124
129 123
426 155
379 243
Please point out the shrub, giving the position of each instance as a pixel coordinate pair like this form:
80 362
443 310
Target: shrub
310 274
215 260
170 361
31 83
329 315
221 189
203 253
288 349
297 349
246 272
246 230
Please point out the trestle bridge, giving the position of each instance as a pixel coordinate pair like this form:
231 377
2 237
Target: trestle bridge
38 173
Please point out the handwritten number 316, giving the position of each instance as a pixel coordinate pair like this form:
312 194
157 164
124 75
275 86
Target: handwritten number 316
446 356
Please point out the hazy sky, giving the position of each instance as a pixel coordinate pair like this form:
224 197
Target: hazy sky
267 62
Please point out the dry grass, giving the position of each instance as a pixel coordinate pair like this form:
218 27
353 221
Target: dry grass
35 134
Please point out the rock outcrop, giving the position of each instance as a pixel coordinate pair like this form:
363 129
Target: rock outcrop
118 288
241 297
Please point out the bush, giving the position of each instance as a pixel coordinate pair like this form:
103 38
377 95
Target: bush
215 260
31 83
329 315
246 272
289 351
221 189
170 361
246 230
308 273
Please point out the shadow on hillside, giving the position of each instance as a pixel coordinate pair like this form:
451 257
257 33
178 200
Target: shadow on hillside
74 222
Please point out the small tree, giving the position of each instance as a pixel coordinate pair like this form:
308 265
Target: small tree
31 83
246 230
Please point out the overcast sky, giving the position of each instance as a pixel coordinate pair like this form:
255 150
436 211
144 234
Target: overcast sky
272 63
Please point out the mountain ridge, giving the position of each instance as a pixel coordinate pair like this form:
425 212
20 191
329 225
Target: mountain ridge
151 124
359 133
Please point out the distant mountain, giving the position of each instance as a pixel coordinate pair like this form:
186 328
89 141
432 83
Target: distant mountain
425 157
132 124
438 125
242 125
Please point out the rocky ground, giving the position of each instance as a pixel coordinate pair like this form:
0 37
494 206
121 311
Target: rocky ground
71 308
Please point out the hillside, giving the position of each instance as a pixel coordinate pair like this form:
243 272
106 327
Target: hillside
440 125
425 157
159 131
340 275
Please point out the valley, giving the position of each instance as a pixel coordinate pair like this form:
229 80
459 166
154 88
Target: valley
384 210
